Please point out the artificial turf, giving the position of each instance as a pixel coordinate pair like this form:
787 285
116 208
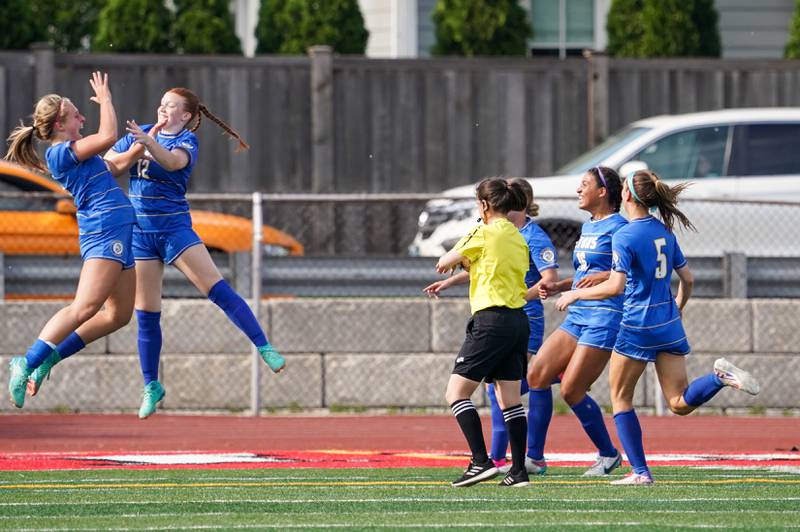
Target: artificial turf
419 498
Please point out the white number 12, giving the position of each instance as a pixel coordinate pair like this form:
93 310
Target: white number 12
661 270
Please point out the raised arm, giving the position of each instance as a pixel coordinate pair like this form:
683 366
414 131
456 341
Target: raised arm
119 163
106 135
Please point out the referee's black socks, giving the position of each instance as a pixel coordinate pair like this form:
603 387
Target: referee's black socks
517 427
470 424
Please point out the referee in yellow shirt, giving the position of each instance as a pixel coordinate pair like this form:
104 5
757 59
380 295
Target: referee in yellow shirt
495 349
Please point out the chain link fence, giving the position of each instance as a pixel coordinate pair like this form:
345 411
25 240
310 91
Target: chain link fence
340 280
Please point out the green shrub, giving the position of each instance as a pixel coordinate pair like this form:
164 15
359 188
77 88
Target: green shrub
792 50
292 26
19 27
476 27
205 27
142 26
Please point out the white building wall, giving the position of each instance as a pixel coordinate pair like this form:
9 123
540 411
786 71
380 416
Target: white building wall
754 28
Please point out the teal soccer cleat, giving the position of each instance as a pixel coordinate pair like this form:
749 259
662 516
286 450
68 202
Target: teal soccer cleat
18 380
42 372
153 393
273 359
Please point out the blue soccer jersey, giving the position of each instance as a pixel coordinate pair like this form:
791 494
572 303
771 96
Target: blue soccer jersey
99 201
648 253
593 254
159 196
542 256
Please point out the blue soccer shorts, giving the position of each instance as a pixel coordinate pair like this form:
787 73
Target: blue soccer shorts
627 345
591 335
111 244
163 246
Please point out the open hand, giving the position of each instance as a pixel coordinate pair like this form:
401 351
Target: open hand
434 289
99 83
138 133
567 298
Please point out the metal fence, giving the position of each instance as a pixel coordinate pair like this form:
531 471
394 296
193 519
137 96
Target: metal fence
347 305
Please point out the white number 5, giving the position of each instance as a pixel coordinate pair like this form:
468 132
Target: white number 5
661 270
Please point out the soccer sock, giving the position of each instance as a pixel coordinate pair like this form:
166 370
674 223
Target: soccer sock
702 389
149 342
630 434
71 345
540 410
499 434
517 429
591 418
470 424
36 354
523 387
238 312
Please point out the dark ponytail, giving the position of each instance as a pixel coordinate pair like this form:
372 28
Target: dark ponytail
650 191
501 195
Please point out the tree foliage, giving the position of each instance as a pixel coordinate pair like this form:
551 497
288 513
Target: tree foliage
477 27
19 26
792 50
663 28
68 25
205 27
142 26
292 26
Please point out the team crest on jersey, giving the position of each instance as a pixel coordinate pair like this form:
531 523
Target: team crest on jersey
548 255
117 248
187 145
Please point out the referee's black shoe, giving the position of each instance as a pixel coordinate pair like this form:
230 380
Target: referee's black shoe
515 480
475 473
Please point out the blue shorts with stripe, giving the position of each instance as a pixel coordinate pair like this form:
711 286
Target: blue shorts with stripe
114 244
600 337
163 246
645 345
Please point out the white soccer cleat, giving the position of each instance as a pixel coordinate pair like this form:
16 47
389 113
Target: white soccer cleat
634 479
535 467
604 465
734 377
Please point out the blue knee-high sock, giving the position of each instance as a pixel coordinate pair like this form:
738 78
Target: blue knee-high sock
37 353
71 345
702 389
149 342
523 387
499 432
238 312
540 410
630 434
591 417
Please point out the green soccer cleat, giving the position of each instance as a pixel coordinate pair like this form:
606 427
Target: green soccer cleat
42 372
17 380
273 359
153 393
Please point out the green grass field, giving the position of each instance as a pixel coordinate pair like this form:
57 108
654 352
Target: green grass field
116 499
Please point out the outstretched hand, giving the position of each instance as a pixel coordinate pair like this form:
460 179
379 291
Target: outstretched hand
99 83
567 298
138 133
434 289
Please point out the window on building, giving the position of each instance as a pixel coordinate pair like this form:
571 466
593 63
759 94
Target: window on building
562 25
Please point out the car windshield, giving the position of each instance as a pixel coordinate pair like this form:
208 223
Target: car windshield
600 153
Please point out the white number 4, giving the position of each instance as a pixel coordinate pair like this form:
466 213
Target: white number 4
661 270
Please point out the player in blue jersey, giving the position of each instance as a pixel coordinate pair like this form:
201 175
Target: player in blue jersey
542 269
645 255
160 159
579 350
105 295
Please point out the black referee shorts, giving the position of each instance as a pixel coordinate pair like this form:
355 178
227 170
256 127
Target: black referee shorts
496 346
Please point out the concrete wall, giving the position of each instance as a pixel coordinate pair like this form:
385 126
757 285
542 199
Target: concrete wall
364 352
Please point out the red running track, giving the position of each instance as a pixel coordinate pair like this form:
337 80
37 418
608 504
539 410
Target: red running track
116 433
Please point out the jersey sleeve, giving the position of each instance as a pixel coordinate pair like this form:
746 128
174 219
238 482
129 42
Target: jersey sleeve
621 254
123 144
188 143
61 158
543 253
678 260
471 245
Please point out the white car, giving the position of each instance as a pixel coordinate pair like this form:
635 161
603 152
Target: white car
750 155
